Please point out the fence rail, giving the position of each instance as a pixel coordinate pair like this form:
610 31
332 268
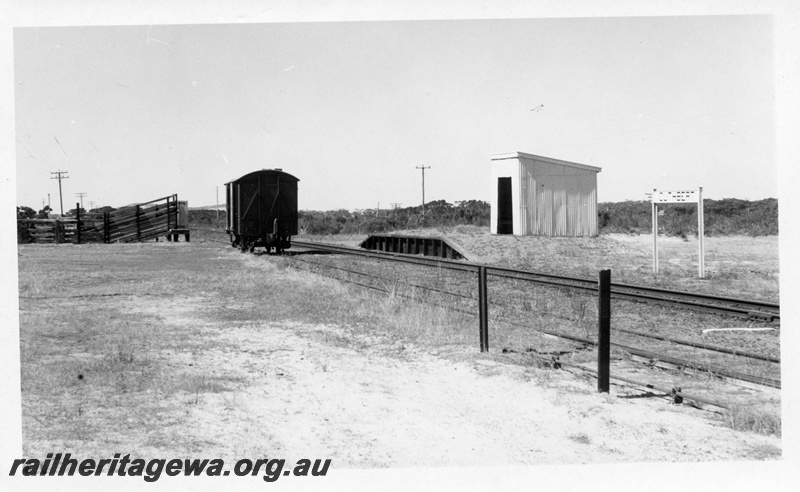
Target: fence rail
128 224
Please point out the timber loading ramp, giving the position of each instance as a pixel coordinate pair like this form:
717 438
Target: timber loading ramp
415 245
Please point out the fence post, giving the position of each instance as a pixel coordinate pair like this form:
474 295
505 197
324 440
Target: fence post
483 308
78 224
169 217
138 226
175 213
57 231
603 330
106 226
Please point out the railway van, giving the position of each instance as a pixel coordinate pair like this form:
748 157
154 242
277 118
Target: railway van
261 210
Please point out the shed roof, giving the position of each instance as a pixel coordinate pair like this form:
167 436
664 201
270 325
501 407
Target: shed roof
549 160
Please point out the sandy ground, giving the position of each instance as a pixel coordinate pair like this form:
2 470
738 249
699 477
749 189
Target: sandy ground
370 402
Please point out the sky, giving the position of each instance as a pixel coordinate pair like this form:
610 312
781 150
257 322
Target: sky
138 112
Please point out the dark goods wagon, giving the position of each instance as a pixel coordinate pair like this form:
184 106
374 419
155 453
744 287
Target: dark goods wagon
262 210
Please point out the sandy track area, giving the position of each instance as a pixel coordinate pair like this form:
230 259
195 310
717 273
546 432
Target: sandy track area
315 390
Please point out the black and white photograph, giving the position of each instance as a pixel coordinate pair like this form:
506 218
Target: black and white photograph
467 246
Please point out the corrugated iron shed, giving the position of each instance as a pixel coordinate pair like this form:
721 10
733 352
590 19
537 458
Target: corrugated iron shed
542 196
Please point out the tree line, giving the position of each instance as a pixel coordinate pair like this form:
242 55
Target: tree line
726 217
729 216
438 213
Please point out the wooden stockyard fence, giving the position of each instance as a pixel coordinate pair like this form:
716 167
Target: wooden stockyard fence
162 217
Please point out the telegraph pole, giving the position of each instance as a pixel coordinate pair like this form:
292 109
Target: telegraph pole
59 176
423 189
81 195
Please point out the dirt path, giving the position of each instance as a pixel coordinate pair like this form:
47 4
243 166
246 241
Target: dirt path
316 391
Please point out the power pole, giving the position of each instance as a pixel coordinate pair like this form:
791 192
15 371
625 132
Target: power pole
59 176
81 195
423 189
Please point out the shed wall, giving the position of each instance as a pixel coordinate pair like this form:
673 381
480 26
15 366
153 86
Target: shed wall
551 198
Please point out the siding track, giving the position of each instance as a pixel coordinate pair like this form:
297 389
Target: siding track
700 302
456 291
715 305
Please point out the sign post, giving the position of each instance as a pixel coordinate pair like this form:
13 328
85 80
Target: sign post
692 196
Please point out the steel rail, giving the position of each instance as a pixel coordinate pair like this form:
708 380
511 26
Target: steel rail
505 272
735 306
701 345
677 341
731 306
666 358
704 302
620 290
586 341
632 350
669 359
637 289
763 381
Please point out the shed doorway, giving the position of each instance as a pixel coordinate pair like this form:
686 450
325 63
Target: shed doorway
505 214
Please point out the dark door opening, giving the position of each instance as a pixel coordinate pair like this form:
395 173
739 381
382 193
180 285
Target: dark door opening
505 214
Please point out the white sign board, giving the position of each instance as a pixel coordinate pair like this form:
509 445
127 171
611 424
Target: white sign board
675 196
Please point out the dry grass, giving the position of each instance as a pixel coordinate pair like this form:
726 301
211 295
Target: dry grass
87 370
93 364
422 323
756 419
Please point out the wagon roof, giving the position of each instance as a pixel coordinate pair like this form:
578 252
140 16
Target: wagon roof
265 171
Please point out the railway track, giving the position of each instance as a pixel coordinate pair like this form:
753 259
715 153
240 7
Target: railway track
457 297
681 300
742 308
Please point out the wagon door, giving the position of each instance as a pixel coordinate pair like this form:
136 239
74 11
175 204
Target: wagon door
287 208
249 208
270 202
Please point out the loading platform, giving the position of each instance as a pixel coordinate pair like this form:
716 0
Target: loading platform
414 245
